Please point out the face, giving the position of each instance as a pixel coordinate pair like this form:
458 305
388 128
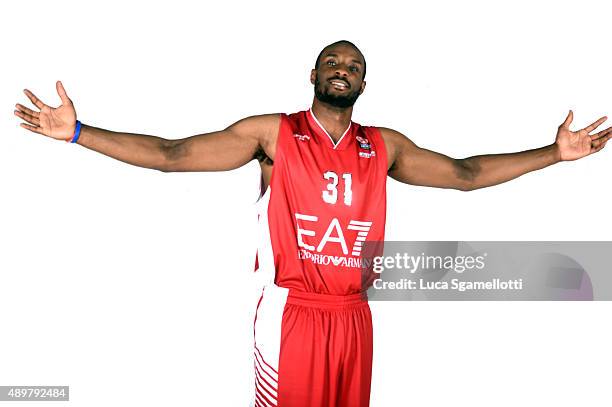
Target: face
339 79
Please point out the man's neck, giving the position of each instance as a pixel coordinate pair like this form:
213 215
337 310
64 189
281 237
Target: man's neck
335 120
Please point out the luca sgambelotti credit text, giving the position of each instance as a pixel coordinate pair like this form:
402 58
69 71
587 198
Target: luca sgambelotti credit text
425 265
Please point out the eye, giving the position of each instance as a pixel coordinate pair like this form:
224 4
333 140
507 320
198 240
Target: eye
331 62
354 68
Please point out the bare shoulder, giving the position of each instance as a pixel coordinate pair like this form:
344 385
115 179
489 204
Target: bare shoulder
260 125
264 128
393 136
395 142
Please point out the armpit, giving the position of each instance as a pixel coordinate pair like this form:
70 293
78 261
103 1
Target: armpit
261 156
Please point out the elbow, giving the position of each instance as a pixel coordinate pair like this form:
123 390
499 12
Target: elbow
167 166
465 187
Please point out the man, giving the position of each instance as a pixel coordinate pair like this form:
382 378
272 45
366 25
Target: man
323 197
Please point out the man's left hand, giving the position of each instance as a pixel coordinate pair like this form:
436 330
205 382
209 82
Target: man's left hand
573 145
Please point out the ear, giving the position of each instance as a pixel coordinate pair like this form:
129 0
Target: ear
313 76
363 83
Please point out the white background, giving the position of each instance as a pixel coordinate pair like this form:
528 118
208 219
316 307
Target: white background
135 287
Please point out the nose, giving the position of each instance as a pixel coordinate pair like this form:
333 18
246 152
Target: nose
341 70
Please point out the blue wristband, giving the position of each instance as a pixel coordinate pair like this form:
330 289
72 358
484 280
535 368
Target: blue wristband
77 132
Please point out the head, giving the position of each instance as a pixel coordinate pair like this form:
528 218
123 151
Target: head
338 75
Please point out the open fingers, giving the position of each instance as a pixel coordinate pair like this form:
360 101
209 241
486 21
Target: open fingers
28 118
36 101
595 124
598 144
32 128
603 133
25 110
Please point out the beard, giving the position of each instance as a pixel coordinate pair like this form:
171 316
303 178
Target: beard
341 101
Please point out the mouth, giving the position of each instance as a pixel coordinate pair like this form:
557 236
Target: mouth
339 84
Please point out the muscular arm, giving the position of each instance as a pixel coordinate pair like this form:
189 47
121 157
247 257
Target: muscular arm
414 165
217 151
411 164
253 137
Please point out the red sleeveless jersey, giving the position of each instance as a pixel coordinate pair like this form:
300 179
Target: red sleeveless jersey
324 201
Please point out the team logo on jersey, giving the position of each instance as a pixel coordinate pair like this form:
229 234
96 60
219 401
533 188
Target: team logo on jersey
364 144
302 137
362 140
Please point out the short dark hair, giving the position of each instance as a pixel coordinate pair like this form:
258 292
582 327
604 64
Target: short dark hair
344 42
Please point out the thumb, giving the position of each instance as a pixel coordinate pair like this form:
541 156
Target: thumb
568 120
62 93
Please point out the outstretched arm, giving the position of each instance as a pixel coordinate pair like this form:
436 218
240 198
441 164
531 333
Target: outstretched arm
414 165
217 151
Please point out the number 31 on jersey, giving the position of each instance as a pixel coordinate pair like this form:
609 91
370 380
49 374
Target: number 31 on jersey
330 195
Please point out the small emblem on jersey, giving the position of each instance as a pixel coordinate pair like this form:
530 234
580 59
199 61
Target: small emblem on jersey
362 140
367 155
302 137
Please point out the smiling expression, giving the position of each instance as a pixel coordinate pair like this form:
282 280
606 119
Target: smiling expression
338 76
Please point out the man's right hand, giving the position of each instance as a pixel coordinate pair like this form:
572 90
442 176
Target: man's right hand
216 151
58 123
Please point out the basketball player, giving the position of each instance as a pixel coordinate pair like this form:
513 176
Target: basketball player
323 196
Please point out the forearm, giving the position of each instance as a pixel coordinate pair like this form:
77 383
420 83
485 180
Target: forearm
487 170
136 149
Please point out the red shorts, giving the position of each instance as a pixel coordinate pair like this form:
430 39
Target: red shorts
312 350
